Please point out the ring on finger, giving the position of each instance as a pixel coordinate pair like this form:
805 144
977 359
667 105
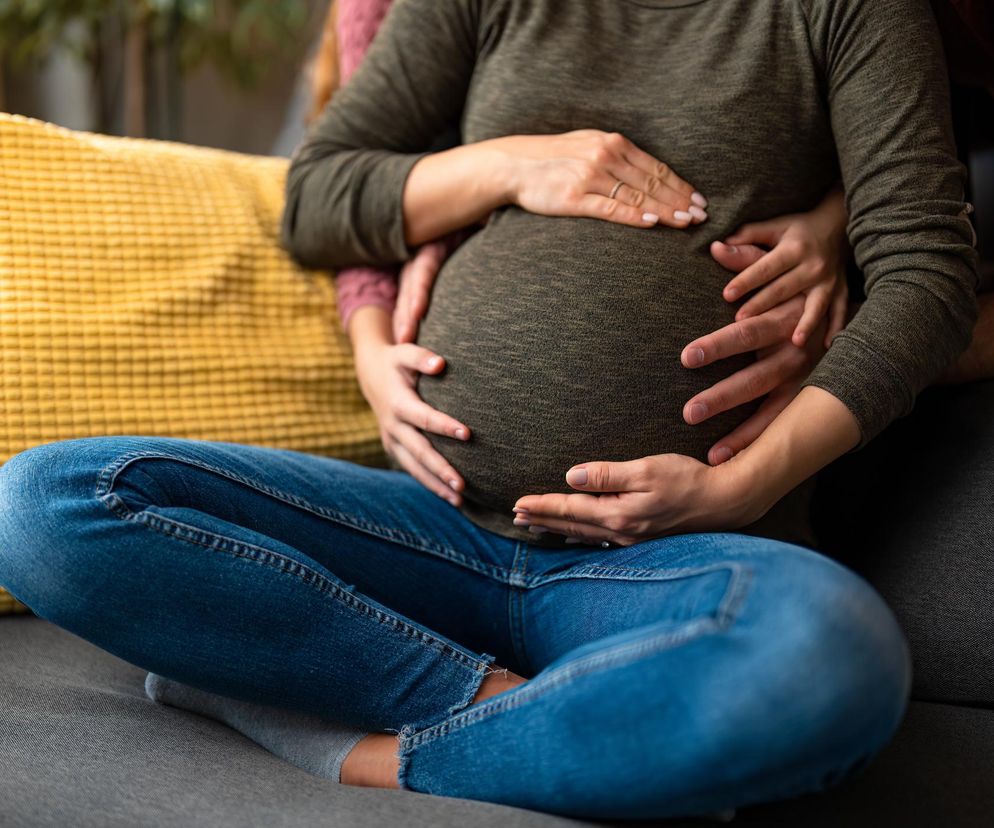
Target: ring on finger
615 188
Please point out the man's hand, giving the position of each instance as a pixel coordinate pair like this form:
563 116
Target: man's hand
777 373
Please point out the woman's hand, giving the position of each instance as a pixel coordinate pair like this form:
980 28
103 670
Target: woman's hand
585 172
808 257
387 374
632 501
578 173
666 494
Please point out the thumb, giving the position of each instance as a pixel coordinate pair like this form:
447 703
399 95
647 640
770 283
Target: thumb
736 258
604 477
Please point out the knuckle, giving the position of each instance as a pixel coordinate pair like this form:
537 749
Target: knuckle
793 248
753 385
601 155
651 184
797 358
616 141
638 198
661 170
748 336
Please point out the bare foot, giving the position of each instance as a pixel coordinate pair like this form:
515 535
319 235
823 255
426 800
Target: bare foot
373 762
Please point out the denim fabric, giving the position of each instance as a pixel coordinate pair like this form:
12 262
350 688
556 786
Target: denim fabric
679 676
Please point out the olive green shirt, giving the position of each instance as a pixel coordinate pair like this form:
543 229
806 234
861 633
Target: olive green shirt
563 335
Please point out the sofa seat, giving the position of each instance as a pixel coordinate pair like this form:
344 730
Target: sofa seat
81 745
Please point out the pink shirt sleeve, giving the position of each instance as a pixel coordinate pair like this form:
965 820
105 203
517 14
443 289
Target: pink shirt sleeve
358 22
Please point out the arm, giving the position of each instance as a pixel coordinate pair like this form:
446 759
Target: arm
904 191
345 183
888 98
355 24
363 188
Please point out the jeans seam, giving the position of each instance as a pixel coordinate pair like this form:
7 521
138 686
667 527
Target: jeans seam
622 573
108 475
613 656
516 604
287 566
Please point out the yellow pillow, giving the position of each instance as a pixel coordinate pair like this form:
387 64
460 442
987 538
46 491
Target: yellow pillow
143 290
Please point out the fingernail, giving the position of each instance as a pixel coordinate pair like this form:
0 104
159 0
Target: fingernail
731 294
519 510
434 362
695 357
698 411
731 248
576 477
537 530
722 455
699 200
453 500
521 521
680 215
461 433
454 484
698 213
650 218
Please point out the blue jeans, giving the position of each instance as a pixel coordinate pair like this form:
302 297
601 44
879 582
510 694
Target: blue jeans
679 676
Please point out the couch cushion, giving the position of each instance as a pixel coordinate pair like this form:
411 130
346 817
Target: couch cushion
912 512
143 290
82 745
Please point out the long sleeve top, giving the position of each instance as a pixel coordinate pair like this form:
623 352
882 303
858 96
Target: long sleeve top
562 335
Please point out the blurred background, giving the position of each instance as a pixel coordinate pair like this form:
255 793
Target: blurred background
221 73
235 74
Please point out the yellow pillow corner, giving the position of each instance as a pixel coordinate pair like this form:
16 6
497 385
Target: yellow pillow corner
143 290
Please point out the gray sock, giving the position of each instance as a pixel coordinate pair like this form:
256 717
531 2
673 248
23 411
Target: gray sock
313 744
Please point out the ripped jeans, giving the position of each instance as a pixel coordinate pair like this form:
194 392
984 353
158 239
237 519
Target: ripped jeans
679 676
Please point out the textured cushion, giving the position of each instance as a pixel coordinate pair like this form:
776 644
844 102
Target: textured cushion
143 291
912 512
81 745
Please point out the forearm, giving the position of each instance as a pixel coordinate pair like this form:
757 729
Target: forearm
815 429
369 327
345 183
358 287
449 190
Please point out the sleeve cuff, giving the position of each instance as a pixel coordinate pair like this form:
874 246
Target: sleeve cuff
865 382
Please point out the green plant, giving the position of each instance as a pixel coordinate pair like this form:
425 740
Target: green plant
243 39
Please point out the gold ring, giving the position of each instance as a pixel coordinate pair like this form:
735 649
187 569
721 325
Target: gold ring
614 190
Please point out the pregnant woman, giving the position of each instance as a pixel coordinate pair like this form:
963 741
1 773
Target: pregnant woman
686 667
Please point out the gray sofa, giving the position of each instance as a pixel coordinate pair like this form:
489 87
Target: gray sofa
81 745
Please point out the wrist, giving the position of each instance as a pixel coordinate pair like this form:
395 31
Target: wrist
811 432
744 487
370 330
504 164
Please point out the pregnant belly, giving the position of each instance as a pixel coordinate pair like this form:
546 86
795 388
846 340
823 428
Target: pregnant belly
562 339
